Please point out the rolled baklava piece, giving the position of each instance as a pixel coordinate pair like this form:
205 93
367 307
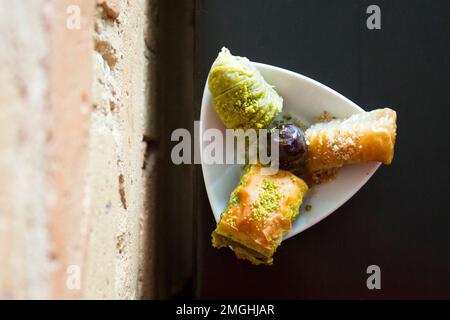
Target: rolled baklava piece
260 212
364 137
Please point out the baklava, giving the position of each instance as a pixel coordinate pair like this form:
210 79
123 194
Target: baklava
363 137
260 212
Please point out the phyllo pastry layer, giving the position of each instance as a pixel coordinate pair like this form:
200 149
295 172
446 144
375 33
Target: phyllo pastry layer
260 212
363 137
240 95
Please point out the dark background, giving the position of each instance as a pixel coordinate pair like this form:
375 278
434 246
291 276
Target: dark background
400 220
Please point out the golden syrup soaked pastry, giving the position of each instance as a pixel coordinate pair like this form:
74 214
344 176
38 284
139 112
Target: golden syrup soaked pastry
260 212
363 137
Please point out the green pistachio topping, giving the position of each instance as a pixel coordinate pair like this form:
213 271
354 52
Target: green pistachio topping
268 200
240 95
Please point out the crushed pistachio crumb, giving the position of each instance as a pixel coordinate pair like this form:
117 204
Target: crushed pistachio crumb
234 199
325 117
308 207
295 210
322 176
231 220
268 200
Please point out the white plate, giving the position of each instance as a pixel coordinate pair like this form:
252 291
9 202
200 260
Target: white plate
307 99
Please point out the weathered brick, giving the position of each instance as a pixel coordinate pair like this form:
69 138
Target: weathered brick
73 189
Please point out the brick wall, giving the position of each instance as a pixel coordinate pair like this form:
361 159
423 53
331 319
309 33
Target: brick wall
77 156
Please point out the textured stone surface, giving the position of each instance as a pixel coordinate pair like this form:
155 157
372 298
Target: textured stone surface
76 169
23 201
44 146
117 152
